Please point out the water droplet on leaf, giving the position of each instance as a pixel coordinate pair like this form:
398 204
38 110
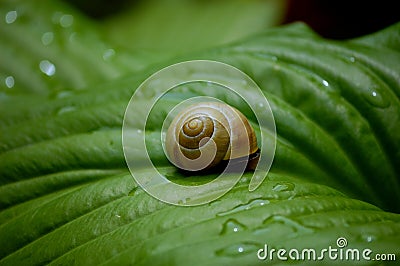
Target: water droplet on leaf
64 94
11 16
377 98
296 227
283 186
47 67
232 226
66 20
66 109
108 54
9 82
250 205
238 249
47 38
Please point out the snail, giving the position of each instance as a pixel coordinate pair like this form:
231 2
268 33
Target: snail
206 135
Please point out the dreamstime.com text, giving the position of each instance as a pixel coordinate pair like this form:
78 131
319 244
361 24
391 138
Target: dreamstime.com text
340 252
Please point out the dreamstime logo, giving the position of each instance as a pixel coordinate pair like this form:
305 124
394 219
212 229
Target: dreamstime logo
341 242
339 253
164 95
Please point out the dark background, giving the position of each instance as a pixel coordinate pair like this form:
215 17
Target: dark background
338 19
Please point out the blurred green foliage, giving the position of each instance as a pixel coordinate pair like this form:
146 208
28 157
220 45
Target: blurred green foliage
180 26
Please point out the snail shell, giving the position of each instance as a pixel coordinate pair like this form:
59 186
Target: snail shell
205 134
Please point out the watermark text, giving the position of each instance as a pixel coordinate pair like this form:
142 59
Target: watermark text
338 252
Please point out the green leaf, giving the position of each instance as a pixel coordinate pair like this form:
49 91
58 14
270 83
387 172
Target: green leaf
189 25
48 47
66 196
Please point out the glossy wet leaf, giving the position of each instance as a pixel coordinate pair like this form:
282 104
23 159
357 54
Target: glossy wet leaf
66 196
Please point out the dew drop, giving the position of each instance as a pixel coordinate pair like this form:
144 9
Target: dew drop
66 109
232 226
352 59
297 227
325 83
47 67
139 131
9 82
118 216
250 205
108 54
64 94
238 249
283 186
47 38
11 17
376 98
66 20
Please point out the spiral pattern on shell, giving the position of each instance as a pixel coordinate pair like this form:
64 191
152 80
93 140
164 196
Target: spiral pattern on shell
204 134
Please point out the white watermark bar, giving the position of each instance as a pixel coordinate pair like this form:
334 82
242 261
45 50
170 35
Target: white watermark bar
338 253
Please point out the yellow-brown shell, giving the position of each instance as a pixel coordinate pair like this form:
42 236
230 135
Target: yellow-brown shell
204 134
